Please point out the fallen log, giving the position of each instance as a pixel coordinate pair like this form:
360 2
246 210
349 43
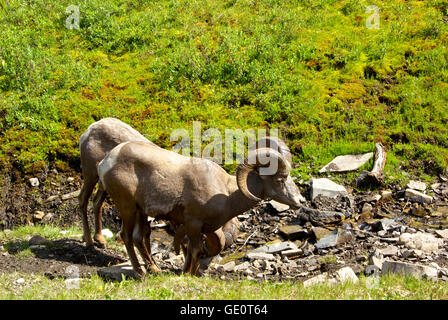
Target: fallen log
376 176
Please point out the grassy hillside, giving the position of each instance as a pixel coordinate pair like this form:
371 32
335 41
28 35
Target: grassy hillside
311 68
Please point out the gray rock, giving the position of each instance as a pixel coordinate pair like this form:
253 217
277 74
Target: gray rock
372 270
321 278
34 182
259 255
347 162
415 270
416 185
38 215
107 233
346 274
279 207
442 233
229 266
328 241
70 195
276 247
242 267
320 217
386 195
326 187
376 259
421 241
47 217
116 272
416 196
413 253
292 252
389 251
386 224
293 231
38 240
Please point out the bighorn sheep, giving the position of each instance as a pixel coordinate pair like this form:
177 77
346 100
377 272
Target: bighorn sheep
145 180
99 138
217 243
97 141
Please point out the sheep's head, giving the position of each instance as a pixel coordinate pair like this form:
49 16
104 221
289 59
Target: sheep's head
273 170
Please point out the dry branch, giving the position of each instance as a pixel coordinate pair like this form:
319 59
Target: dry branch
376 176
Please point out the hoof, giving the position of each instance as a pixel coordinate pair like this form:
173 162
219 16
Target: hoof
100 241
153 269
88 241
139 275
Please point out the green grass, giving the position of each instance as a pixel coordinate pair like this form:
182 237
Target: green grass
170 286
310 68
46 231
173 287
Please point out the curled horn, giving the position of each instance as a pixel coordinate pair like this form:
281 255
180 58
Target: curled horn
277 144
245 168
214 243
231 229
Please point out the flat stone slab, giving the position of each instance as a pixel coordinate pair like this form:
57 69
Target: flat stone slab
442 233
326 187
415 270
276 247
416 185
116 272
416 196
278 206
259 256
293 231
328 241
347 162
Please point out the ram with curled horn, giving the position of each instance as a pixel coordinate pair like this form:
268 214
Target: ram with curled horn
144 180
224 237
95 143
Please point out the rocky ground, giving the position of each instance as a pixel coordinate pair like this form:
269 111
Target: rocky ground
339 234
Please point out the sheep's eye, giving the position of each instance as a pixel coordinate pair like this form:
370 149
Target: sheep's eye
280 180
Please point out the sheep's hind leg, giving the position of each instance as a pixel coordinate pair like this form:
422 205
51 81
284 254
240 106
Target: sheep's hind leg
142 240
128 217
98 200
83 198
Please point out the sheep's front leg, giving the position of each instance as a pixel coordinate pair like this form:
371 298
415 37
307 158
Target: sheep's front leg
194 249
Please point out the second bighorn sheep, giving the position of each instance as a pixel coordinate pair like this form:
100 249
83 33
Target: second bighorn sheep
145 180
97 141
